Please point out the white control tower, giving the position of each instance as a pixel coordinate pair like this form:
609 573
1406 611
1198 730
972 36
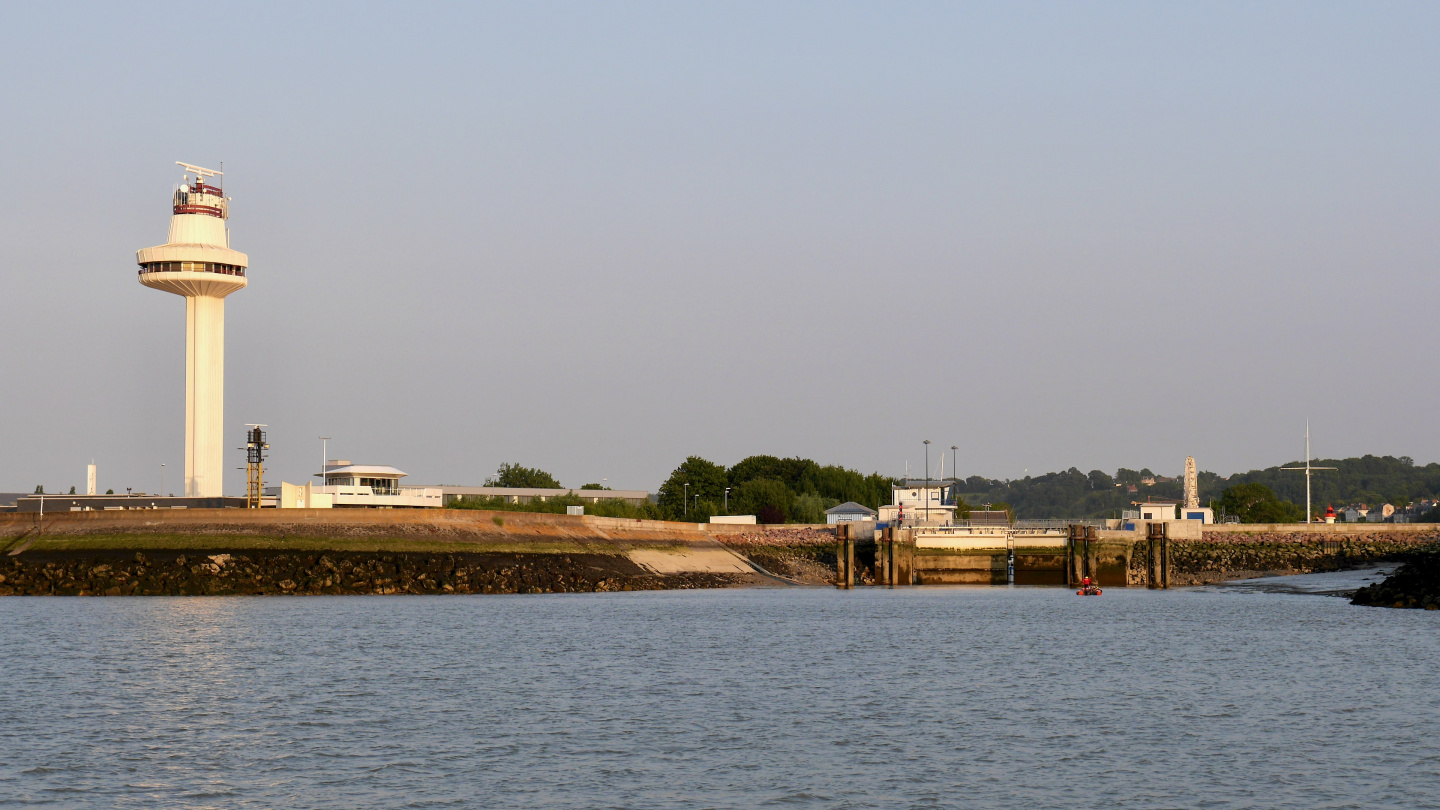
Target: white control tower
196 261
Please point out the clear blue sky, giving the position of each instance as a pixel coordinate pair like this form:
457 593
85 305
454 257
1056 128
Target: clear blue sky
599 237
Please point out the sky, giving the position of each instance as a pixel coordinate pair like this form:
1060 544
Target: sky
597 238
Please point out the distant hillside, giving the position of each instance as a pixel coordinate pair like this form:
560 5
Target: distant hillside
1369 479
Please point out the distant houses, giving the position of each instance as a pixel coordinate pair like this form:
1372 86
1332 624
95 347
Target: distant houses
1389 513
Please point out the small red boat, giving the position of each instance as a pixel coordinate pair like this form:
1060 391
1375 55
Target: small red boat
1089 588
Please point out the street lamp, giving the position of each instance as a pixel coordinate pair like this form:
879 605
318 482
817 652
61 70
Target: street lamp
324 457
727 500
162 478
955 474
927 480
686 499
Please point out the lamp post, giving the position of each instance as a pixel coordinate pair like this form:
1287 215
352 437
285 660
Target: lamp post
697 501
324 457
686 499
927 480
727 500
162 478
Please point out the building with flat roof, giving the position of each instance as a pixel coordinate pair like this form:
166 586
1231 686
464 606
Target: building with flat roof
349 486
634 497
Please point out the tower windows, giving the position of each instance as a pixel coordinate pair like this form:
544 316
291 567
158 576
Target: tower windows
193 267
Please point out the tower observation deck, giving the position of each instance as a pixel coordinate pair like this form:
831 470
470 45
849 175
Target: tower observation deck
196 262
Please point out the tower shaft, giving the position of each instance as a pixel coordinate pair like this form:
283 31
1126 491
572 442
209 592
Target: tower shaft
204 395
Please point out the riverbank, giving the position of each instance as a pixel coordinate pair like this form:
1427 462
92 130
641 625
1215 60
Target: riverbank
801 554
229 551
255 572
232 551
1280 551
1415 584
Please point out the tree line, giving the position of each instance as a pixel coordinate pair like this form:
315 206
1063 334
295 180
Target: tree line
799 490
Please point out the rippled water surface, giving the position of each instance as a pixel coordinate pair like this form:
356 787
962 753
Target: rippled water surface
980 697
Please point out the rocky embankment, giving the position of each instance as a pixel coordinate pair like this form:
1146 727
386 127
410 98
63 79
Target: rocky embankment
802 554
1415 584
247 572
1237 555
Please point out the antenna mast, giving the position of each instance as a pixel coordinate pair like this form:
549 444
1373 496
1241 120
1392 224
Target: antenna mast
1307 469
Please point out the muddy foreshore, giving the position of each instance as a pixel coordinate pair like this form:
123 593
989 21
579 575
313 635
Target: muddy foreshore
261 572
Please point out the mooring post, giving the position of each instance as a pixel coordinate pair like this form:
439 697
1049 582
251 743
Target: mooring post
1152 555
1072 576
885 558
842 542
1165 555
850 533
1091 569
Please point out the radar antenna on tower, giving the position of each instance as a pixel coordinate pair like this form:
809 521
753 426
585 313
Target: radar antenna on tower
199 171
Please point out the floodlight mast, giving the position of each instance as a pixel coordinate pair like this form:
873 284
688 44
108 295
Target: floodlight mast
1307 469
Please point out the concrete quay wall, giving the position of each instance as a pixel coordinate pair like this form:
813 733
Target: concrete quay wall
1193 554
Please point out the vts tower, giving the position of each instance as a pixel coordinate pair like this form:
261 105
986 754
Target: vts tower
196 261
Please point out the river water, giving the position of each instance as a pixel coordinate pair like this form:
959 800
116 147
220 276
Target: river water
1233 696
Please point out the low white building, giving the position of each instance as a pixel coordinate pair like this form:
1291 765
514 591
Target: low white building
919 503
357 485
635 497
849 512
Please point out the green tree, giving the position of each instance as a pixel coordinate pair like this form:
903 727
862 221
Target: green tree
768 499
109 492
1127 476
706 479
1099 480
514 475
594 486
790 471
72 490
810 508
1257 503
39 489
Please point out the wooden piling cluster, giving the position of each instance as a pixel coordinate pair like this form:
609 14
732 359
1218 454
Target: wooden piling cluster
1082 546
1157 561
895 558
845 556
